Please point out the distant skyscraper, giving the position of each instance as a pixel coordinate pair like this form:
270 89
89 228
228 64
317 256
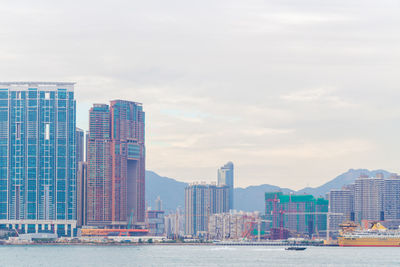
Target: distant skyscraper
226 177
392 198
369 198
158 204
340 201
202 200
116 164
80 145
37 158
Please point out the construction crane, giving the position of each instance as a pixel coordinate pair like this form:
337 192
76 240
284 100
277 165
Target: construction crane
259 221
249 226
129 225
274 201
130 222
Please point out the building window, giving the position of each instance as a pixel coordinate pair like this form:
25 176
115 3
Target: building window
47 95
18 131
47 132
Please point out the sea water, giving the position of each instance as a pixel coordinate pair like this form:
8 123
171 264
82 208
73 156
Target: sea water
184 255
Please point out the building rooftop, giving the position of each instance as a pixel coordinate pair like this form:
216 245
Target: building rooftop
36 83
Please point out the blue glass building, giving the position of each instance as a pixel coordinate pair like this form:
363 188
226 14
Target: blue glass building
37 157
226 177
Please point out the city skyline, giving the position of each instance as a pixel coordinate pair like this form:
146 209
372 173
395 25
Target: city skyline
303 90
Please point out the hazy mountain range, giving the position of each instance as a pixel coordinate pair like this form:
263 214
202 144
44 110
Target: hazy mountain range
251 198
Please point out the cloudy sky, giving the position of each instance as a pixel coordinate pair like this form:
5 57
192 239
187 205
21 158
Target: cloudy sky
294 92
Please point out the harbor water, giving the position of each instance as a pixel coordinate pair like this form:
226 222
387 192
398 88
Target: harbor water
176 255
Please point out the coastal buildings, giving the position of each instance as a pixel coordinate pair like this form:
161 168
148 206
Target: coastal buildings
37 159
377 198
202 200
226 177
301 214
233 225
369 198
116 164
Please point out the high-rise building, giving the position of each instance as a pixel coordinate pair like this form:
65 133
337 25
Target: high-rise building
202 200
80 145
128 155
392 198
37 158
86 144
158 204
99 167
341 207
116 164
226 177
81 171
81 189
303 214
369 198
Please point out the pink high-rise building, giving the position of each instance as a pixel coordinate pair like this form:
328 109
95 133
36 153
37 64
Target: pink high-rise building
116 164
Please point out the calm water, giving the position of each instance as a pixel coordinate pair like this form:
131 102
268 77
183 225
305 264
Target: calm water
194 256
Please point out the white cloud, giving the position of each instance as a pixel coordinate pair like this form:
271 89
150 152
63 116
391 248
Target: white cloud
320 95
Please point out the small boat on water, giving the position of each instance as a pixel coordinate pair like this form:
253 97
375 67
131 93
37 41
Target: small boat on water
295 248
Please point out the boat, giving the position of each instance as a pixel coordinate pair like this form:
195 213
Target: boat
376 236
295 248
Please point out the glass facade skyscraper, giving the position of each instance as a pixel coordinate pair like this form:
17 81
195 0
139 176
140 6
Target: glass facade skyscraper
37 156
226 177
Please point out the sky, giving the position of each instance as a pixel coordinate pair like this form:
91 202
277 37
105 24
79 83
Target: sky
292 92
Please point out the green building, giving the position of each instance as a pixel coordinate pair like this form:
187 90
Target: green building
302 214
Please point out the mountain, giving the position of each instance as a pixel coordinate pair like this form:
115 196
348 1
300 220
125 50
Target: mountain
171 191
251 198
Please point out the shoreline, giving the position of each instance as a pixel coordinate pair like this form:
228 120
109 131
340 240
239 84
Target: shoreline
168 244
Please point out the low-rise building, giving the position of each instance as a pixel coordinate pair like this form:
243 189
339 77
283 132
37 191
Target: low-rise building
233 225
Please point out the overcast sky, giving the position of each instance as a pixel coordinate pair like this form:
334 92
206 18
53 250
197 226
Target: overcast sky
294 92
